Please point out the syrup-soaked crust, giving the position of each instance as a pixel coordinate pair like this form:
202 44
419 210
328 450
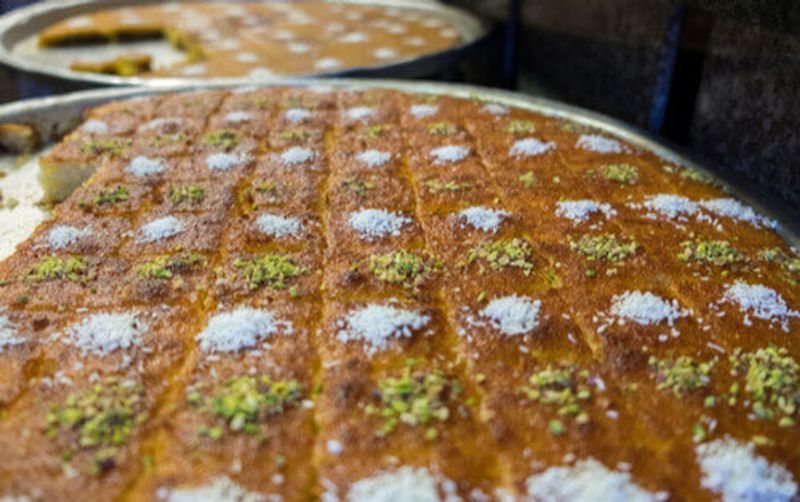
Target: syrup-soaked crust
307 173
258 39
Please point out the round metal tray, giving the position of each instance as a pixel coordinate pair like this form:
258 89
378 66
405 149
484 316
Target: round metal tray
19 26
54 116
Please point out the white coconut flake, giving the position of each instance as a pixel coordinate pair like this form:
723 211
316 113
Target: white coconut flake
278 226
9 336
80 22
193 70
221 489
384 53
61 236
161 123
530 147
297 115
483 218
247 57
238 117
732 208
243 328
599 144
645 308
513 315
334 447
671 206
355 37
375 325
261 73
373 158
449 154
297 155
360 113
298 47
144 166
735 472
406 484
327 64
495 109
94 126
587 481
374 223
422 111
160 229
581 210
226 161
414 41
102 334
760 302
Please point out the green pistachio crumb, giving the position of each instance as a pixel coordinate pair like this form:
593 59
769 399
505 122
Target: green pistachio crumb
772 382
557 427
273 270
50 268
442 129
167 139
717 252
625 174
111 146
111 196
528 179
695 175
358 186
437 186
226 138
403 268
187 194
165 267
376 131
565 388
520 127
499 254
786 261
680 375
607 247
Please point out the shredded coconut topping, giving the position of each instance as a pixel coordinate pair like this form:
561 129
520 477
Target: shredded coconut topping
530 147
384 53
102 334
759 301
587 481
645 308
144 166
495 109
731 208
355 37
406 484
8 334
483 218
94 126
375 325
581 210
422 111
161 123
261 73
298 47
373 223
297 155
61 236
295 115
513 315
374 158
599 144
239 329
734 471
193 70
247 57
221 489
360 113
238 117
671 206
226 161
327 64
449 154
278 226
162 228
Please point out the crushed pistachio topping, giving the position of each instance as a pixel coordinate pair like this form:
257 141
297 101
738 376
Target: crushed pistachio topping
499 254
403 267
565 388
376 131
187 194
772 381
437 186
573 127
528 179
358 186
680 375
112 146
695 175
442 128
165 267
167 139
226 138
603 247
784 260
111 196
276 271
520 127
245 403
713 252
295 135
416 398
625 174
266 186
101 419
50 268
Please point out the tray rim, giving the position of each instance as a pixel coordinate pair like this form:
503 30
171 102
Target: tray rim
472 29
39 110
